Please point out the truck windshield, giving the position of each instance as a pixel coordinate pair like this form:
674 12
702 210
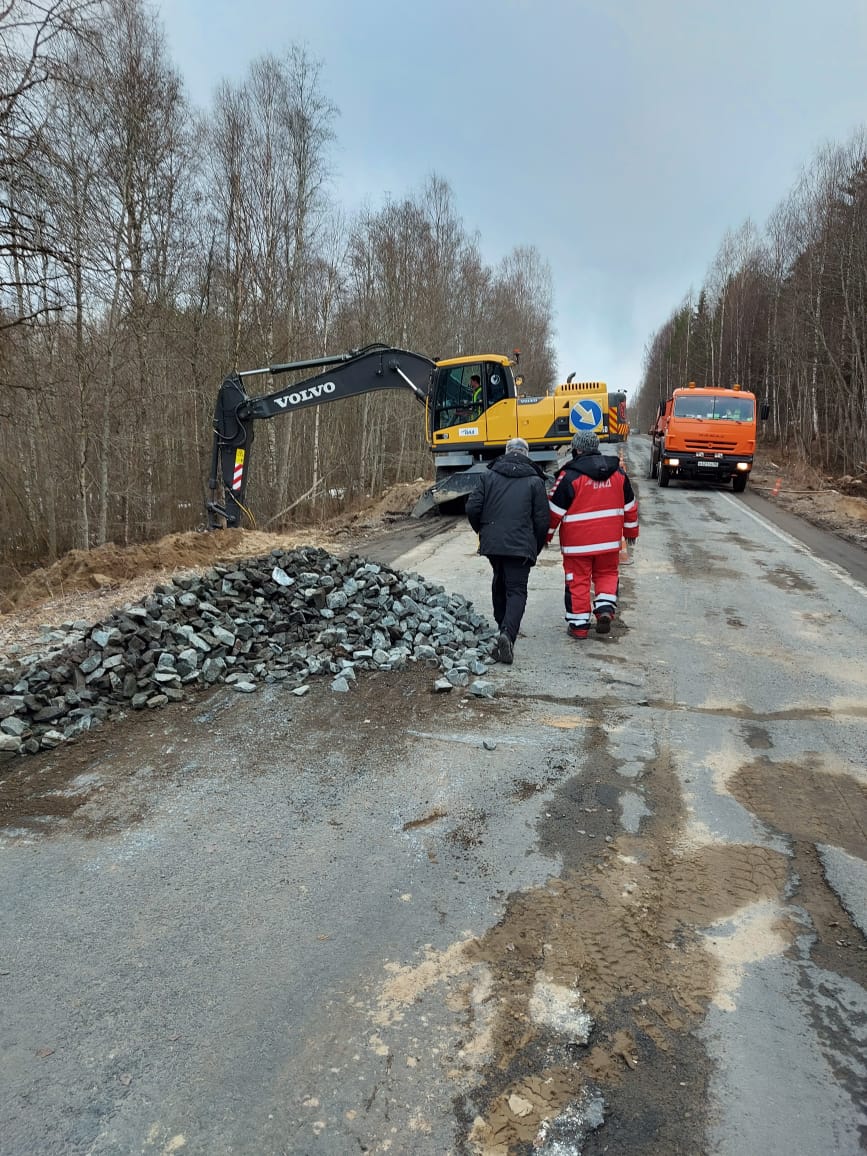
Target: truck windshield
715 407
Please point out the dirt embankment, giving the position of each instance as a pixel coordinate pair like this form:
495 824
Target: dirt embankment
88 584
838 505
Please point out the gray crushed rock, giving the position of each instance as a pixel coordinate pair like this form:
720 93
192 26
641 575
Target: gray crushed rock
284 618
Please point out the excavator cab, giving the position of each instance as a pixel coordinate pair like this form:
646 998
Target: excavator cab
463 390
457 395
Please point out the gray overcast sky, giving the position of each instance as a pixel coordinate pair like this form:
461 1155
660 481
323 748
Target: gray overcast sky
620 137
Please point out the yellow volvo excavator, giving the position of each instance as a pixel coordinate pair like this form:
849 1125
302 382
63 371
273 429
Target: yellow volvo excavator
471 403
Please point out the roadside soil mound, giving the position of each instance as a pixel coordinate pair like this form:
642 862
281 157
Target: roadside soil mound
88 584
838 505
108 567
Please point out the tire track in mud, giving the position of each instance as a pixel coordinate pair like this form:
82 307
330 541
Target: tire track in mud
618 936
620 926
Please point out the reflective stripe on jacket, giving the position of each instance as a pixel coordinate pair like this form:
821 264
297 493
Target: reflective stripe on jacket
593 506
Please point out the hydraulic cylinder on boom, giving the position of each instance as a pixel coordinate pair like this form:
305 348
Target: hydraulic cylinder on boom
359 371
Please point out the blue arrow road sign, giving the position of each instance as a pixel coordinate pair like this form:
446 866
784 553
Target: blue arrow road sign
586 414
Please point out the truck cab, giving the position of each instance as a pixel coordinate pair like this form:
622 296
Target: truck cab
705 434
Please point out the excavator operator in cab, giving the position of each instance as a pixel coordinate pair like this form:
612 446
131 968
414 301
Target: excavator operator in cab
476 388
471 406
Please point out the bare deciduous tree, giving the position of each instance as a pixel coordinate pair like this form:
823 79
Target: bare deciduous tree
191 248
34 42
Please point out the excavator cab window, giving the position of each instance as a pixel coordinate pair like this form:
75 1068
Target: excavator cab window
462 393
458 394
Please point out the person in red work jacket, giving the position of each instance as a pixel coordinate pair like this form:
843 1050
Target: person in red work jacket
594 507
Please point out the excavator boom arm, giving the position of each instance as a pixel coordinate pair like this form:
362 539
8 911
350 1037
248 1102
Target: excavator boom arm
362 371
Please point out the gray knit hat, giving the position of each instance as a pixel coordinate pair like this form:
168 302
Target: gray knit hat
518 446
584 442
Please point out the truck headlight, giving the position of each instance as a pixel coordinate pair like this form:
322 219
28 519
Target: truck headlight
742 466
672 461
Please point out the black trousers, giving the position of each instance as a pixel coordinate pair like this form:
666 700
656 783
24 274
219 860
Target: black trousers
509 591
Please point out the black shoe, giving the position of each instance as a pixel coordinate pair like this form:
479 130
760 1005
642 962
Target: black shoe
603 624
505 650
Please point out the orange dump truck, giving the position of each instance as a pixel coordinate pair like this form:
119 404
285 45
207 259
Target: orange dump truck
706 435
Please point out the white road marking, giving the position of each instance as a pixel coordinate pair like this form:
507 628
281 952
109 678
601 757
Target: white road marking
831 567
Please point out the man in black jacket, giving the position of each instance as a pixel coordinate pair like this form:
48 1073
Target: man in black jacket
509 512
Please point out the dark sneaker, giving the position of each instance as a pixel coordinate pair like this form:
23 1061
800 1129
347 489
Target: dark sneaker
578 631
505 651
603 624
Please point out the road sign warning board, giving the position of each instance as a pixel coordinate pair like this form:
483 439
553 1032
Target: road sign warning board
585 415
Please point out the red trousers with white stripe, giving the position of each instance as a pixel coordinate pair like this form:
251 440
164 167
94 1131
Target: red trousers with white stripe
582 569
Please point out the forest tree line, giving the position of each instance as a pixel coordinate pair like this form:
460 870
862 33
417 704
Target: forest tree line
147 248
784 313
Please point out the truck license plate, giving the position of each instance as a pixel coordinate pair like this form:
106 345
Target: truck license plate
708 465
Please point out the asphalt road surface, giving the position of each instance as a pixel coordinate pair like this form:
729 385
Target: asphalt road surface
621 907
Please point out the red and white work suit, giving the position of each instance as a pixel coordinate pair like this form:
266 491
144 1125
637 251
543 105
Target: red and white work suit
594 507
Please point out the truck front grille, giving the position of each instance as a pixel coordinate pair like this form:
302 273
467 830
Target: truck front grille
709 446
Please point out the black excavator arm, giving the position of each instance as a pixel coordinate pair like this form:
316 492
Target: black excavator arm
360 371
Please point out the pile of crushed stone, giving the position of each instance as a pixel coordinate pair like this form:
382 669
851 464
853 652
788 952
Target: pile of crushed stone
111 566
285 618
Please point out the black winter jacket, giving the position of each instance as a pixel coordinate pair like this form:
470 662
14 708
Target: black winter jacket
509 508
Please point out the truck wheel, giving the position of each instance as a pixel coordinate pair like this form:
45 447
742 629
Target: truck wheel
739 483
654 463
664 476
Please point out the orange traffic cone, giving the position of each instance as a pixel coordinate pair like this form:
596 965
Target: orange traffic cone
777 486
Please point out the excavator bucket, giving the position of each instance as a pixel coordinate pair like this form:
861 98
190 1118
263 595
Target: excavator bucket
450 491
425 505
